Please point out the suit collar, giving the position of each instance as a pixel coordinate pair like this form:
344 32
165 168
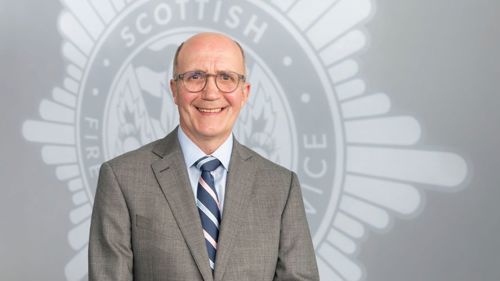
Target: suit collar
239 182
168 145
171 174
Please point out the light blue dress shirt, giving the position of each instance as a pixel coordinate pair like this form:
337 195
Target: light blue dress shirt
192 153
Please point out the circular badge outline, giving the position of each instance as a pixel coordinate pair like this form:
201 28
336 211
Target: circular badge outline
338 128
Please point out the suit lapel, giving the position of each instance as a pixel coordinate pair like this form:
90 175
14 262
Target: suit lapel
170 171
238 185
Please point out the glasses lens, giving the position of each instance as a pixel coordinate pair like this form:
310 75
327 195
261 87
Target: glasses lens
227 81
194 81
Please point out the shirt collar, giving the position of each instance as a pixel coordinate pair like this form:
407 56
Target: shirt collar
192 152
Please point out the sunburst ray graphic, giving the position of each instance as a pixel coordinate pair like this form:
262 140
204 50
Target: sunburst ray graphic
384 169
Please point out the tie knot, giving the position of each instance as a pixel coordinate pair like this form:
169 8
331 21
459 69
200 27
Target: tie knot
207 163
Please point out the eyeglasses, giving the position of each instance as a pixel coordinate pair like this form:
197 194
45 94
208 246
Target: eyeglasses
196 81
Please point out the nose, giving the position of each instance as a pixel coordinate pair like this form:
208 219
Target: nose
211 92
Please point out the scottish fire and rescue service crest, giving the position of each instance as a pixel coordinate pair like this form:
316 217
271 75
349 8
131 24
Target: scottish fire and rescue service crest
309 111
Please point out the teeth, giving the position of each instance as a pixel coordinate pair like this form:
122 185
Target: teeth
210 110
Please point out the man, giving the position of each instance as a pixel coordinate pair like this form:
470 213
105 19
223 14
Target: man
197 205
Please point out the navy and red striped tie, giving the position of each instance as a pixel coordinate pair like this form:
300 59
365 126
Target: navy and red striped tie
208 205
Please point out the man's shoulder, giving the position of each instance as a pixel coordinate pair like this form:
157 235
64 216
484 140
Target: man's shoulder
269 177
263 163
143 153
147 153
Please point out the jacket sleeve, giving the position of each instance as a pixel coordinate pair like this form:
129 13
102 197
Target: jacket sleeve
110 251
296 258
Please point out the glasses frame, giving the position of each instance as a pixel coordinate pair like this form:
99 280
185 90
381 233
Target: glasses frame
207 75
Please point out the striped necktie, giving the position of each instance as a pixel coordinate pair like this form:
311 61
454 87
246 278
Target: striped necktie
208 205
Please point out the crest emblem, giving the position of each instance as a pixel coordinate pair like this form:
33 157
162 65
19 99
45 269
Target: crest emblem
359 165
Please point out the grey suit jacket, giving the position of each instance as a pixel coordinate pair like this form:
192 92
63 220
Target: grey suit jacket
145 225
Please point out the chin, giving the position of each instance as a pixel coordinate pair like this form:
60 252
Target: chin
211 133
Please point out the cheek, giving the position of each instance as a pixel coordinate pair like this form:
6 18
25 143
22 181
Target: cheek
185 100
236 100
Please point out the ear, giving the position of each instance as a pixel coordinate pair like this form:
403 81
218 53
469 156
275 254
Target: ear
246 93
173 89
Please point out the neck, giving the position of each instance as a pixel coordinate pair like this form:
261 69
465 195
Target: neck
207 144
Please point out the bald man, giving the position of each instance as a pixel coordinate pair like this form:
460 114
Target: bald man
197 205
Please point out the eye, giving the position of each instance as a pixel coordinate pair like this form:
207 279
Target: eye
224 76
194 76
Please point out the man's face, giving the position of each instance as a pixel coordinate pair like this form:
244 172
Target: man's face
208 116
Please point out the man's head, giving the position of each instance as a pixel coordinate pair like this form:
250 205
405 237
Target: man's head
176 56
207 116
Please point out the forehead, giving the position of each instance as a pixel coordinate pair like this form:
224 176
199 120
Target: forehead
210 53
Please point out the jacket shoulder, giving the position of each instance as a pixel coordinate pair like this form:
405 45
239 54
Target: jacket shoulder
141 155
263 164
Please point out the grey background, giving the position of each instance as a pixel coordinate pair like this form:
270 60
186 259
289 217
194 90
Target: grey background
438 61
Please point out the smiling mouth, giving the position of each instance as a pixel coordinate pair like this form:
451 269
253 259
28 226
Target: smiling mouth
210 110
